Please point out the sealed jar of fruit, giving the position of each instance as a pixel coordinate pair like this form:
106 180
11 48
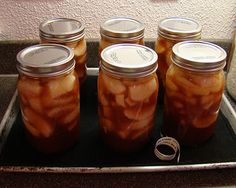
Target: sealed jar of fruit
127 95
48 89
171 31
121 30
68 32
194 88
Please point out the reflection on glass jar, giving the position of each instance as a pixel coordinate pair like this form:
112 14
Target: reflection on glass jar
48 89
120 30
194 88
171 31
68 32
127 95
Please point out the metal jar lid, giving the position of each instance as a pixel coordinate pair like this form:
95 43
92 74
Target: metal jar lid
129 60
61 30
122 27
45 60
176 28
199 56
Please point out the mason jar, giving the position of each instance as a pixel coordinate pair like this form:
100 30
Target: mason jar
48 89
194 88
171 31
127 95
68 32
121 30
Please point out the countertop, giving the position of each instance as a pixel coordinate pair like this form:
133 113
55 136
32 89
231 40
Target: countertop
200 178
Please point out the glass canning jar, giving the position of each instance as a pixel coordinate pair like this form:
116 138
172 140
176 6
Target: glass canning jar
121 30
127 95
68 32
48 88
194 88
171 31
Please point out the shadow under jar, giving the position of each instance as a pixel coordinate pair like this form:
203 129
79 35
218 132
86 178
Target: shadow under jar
171 31
68 32
48 88
194 88
120 30
127 95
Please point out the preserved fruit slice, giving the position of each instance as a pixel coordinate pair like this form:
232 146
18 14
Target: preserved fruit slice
190 100
107 112
168 58
80 49
71 44
103 44
206 121
184 82
124 134
29 87
72 125
140 113
173 72
61 86
72 116
174 94
81 59
214 83
23 99
140 133
120 100
31 129
178 105
62 101
103 100
207 101
130 102
58 111
42 125
115 86
217 85
139 125
171 85
160 47
143 91
36 104
106 124
191 87
199 91
101 97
